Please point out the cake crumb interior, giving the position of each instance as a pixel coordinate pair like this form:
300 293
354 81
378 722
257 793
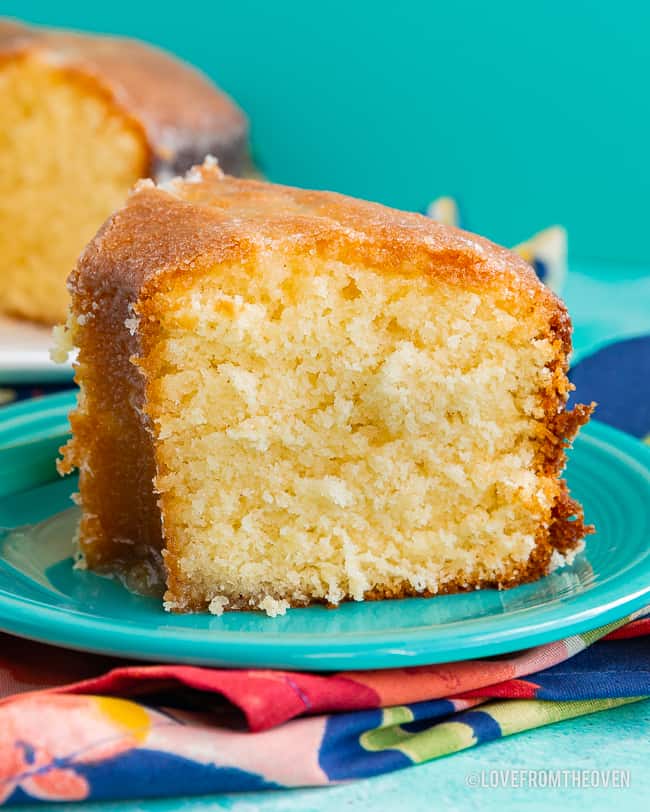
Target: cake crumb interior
67 159
326 431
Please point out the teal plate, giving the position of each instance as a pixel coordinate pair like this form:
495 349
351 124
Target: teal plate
43 598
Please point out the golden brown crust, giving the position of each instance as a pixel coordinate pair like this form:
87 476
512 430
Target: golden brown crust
568 527
189 226
182 113
165 237
120 528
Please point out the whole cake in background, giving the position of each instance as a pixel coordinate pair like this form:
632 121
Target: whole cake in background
81 119
321 399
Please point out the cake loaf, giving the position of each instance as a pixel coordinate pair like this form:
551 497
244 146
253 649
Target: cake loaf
291 397
81 119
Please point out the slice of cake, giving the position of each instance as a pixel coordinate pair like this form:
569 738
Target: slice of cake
81 119
291 397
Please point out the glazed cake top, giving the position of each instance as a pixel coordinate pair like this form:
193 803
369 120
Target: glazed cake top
183 227
175 103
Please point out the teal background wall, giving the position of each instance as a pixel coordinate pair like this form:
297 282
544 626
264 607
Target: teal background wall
529 113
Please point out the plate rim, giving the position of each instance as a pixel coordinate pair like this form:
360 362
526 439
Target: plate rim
360 650
25 353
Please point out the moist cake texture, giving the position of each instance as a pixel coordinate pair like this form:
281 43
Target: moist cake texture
81 119
291 397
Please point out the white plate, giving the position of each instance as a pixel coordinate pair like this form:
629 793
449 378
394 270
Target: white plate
25 353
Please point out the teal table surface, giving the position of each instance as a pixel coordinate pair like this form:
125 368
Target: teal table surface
616 739
400 102
606 302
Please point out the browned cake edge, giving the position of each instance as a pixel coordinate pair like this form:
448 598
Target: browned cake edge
160 241
181 114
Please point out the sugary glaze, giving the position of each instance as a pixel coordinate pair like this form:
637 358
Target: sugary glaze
82 119
181 113
166 239
208 217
